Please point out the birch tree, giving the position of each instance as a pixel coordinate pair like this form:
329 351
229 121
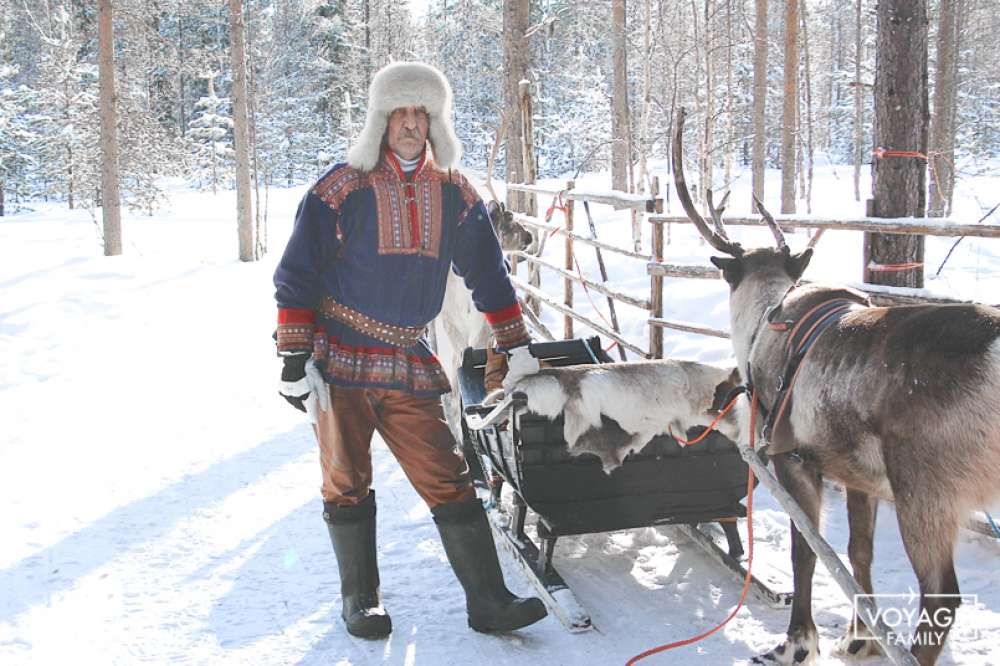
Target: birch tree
110 197
790 107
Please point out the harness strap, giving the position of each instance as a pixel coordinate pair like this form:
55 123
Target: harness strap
800 342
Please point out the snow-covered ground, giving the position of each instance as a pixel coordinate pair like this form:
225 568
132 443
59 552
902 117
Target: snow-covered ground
161 501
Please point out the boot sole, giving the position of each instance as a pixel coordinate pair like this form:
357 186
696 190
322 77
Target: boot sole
533 615
372 629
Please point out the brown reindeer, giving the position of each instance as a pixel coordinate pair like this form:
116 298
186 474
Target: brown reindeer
895 403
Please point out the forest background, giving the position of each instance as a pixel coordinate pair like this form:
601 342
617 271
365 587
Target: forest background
309 63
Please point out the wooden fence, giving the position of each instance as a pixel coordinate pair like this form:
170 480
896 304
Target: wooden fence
650 209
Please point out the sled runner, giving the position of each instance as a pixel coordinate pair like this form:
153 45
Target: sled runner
663 484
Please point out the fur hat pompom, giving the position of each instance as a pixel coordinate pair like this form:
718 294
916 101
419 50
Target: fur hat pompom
399 85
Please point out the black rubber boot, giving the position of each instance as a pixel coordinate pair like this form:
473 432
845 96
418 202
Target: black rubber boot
469 545
352 531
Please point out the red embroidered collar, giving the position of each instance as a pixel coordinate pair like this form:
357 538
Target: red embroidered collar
393 162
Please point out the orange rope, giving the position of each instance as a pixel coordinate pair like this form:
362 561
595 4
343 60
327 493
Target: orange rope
746 579
931 155
882 153
586 290
557 204
708 430
894 268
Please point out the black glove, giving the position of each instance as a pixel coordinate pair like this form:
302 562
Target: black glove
293 375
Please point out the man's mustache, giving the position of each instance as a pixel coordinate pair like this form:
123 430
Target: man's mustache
409 134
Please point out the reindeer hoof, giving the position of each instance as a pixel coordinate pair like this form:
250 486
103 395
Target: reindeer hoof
858 645
798 651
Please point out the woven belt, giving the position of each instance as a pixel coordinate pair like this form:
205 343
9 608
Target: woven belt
400 336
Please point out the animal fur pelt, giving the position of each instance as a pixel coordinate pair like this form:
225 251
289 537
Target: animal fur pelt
644 399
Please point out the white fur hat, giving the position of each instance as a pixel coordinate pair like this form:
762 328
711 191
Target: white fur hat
403 84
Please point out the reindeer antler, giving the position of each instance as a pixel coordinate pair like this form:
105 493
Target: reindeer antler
779 237
716 213
719 241
501 131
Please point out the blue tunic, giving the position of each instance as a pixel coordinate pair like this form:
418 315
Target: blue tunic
381 243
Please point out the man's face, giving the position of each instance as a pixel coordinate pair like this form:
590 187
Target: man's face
407 133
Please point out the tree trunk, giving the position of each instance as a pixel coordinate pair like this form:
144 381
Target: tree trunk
1 197
111 208
366 10
790 108
708 127
241 144
619 100
859 117
809 111
942 136
516 56
730 150
901 118
528 145
260 223
647 95
759 98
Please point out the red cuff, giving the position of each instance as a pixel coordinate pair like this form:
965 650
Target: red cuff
295 330
500 316
296 316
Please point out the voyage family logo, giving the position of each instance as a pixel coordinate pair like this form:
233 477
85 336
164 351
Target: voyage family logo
902 616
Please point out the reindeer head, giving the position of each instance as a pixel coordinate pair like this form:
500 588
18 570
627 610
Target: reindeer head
758 277
512 235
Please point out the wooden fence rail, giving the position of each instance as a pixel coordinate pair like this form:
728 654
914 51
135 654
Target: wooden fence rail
937 226
658 269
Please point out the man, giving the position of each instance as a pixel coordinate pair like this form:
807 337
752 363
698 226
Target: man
362 275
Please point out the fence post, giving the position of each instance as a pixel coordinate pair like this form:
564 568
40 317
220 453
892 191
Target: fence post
656 292
567 283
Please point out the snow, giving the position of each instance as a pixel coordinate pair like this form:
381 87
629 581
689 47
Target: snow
161 501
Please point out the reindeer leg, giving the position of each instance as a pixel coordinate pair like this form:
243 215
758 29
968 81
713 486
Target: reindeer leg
929 527
862 510
804 483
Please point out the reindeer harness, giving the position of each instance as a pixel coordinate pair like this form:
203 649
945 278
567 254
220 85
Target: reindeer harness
802 335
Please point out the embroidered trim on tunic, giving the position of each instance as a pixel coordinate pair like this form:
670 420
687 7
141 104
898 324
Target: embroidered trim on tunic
338 184
400 336
379 367
395 229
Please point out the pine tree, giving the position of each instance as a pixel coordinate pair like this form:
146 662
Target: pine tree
210 134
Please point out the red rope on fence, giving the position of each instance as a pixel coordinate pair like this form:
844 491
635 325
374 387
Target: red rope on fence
557 204
586 290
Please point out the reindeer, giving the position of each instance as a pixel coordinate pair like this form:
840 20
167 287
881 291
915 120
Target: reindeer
462 324
895 403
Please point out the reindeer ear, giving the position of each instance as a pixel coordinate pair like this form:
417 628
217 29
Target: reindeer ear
796 263
732 269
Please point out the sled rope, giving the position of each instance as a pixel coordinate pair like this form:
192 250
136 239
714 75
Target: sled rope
746 579
712 426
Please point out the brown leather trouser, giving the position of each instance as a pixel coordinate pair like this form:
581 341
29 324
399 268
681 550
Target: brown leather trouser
414 430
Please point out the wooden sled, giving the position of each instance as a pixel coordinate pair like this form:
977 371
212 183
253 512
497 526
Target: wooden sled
663 484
